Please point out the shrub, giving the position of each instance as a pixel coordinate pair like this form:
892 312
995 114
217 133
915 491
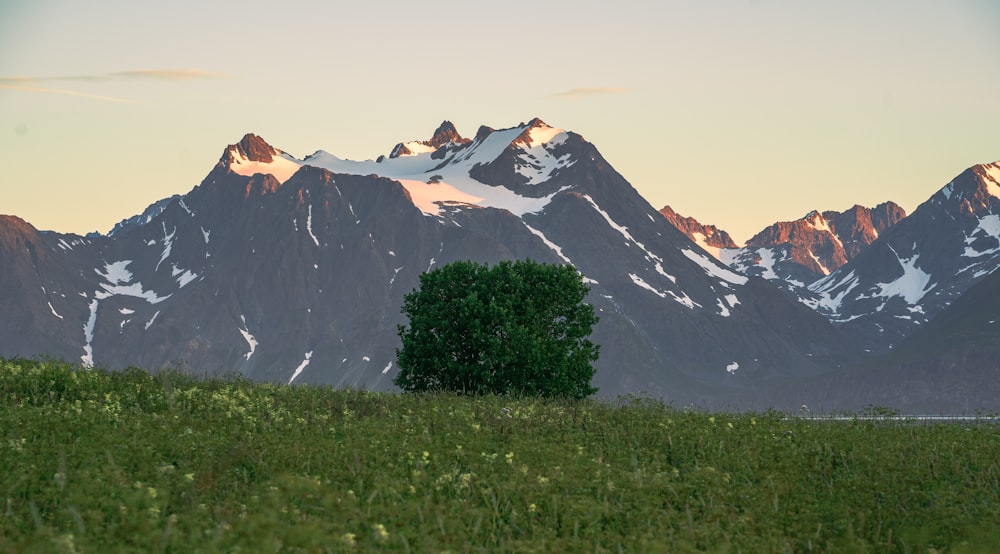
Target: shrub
514 328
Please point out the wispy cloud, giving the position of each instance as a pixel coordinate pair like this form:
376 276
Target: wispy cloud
158 74
590 91
33 84
170 74
27 88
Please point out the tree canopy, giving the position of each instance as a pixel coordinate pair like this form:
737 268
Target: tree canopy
514 328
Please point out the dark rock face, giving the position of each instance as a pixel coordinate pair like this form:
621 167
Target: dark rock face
710 235
255 149
794 254
859 226
813 243
445 134
37 271
823 242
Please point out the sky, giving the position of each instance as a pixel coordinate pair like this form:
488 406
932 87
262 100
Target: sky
739 113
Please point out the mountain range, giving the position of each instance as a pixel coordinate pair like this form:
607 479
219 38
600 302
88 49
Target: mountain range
293 270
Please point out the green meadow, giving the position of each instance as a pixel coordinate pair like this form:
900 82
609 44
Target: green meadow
97 461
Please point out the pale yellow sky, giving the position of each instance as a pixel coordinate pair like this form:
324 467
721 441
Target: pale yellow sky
739 113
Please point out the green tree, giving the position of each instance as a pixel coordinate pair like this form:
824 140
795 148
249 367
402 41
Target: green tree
514 328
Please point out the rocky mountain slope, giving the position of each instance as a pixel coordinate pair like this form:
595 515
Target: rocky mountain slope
709 237
949 366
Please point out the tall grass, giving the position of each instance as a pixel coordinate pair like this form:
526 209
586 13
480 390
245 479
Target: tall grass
96 461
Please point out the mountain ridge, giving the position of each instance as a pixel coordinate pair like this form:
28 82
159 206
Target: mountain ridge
293 270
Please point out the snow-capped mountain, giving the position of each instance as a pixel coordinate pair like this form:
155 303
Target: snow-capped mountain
922 264
293 270
794 254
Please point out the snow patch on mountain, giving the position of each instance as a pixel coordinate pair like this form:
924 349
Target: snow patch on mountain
88 336
431 180
302 366
119 283
309 227
282 166
537 162
168 244
116 273
682 299
701 240
429 196
251 340
989 226
912 285
819 263
555 247
714 269
183 276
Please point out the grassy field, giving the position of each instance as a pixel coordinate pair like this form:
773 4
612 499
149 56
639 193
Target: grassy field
94 461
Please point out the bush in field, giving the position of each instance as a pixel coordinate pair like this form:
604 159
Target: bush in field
514 328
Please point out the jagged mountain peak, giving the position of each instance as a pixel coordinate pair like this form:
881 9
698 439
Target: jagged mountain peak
972 192
537 133
443 136
796 253
252 155
255 149
709 237
446 133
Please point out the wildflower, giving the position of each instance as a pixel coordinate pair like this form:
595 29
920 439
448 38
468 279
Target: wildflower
151 491
189 477
348 539
730 425
542 480
413 490
510 457
579 450
427 456
712 420
380 532
532 508
753 421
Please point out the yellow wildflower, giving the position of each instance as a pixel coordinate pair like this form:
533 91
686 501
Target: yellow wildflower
380 532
